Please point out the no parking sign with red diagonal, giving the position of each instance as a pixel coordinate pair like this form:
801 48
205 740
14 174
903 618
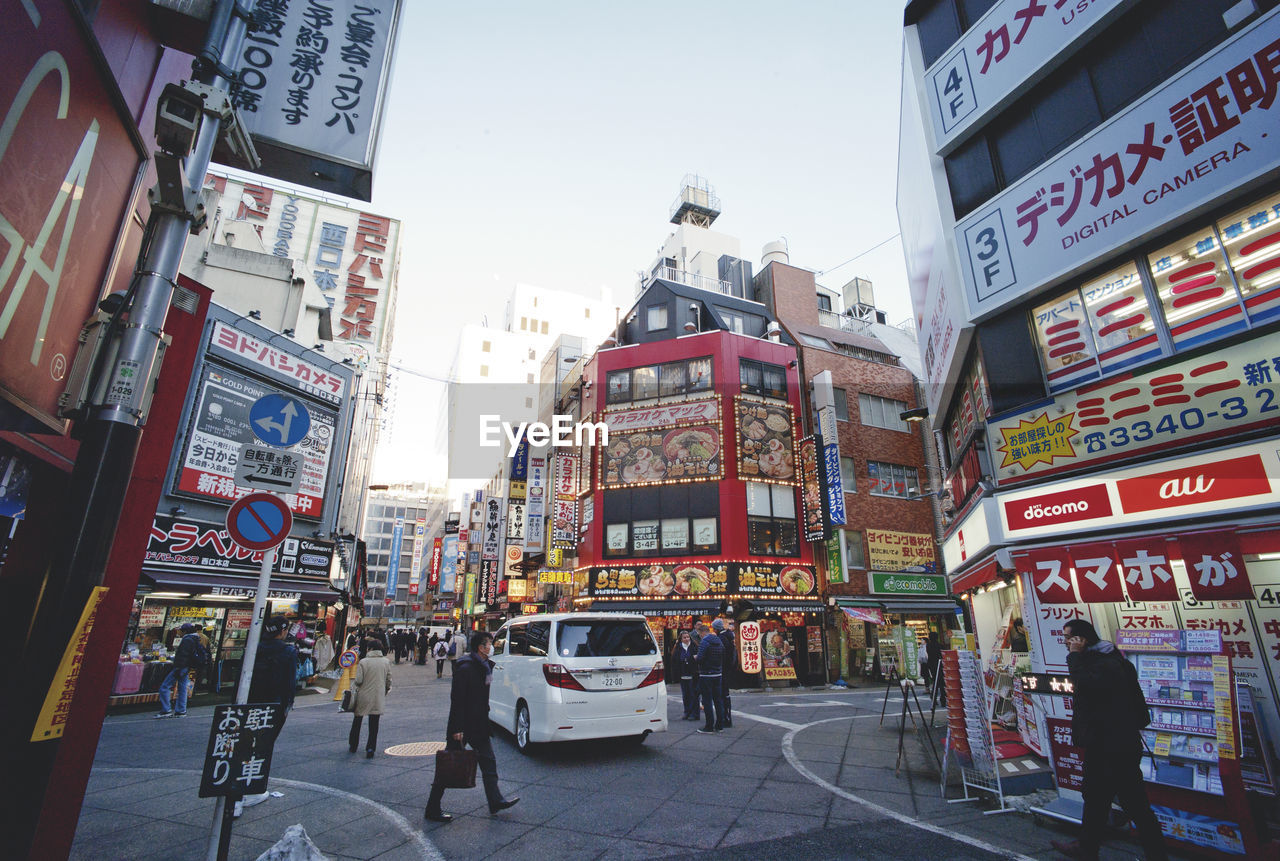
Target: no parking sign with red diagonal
259 521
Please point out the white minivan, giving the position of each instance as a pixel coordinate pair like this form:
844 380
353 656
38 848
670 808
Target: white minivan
569 676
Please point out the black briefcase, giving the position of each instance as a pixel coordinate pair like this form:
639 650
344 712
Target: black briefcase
456 768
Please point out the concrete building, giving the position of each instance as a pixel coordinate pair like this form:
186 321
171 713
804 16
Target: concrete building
1089 199
400 524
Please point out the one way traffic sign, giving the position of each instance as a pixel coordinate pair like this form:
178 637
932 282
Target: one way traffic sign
269 469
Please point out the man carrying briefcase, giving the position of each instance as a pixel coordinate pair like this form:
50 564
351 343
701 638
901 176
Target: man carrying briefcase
469 725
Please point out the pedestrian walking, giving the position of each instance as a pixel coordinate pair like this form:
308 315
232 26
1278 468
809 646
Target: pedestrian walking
441 654
730 663
424 647
469 724
932 657
684 666
1109 712
275 678
190 655
452 642
371 686
710 672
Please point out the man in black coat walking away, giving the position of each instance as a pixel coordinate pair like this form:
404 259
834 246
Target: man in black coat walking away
1109 712
469 724
729 663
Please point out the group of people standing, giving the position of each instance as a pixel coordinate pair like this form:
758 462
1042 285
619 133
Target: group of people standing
702 661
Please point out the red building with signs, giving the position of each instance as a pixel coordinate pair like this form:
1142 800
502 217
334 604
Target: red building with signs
692 509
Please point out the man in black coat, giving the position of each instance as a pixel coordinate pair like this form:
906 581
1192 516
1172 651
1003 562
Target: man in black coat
275 680
1108 714
710 673
469 724
729 663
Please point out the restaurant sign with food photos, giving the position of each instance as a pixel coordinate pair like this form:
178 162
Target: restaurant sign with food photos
670 580
812 489
770 580
766 443
672 446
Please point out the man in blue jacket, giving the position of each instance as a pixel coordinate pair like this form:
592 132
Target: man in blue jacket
730 662
469 724
190 655
710 672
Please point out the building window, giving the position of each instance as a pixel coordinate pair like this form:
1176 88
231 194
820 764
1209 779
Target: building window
734 322
652 381
586 312
824 302
891 479
847 475
644 383
762 378
544 327
855 556
771 520
841 404
529 378
484 370
672 378
656 317
617 539
675 520
524 323
882 412
484 346
618 387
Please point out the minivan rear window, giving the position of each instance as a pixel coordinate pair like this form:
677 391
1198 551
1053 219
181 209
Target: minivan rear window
603 638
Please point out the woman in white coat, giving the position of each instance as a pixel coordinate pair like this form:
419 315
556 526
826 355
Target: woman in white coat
371 686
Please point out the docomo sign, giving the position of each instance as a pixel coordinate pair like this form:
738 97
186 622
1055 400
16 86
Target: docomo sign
1216 483
63 146
749 647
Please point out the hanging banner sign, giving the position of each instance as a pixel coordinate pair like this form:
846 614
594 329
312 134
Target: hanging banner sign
1098 578
415 565
1050 572
1148 576
1215 566
448 564
564 515
811 491
535 504
57 703
832 476
393 567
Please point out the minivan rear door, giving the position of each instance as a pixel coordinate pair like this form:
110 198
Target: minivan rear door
611 659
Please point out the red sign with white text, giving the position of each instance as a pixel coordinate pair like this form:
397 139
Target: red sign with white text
1215 566
1050 570
1097 574
1211 481
67 166
1064 506
1147 573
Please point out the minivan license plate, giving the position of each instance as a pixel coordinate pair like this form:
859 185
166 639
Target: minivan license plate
611 680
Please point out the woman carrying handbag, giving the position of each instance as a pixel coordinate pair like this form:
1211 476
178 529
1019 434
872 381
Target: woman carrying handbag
372 684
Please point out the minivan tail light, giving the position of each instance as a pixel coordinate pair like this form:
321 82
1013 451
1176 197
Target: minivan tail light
559 677
655 676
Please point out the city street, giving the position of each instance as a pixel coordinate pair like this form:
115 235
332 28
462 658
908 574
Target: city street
801 774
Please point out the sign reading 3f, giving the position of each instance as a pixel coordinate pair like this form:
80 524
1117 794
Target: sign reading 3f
279 420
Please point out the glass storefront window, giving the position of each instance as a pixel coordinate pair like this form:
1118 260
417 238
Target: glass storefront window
1251 237
1195 289
1123 330
1062 334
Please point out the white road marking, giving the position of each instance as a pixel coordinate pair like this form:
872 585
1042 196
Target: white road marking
804 705
416 837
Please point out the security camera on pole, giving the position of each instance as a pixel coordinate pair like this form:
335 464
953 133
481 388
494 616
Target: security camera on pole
259 521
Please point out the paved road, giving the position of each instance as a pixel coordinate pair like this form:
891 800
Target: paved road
801 775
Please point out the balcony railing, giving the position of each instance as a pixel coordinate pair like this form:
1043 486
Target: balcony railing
843 322
691 279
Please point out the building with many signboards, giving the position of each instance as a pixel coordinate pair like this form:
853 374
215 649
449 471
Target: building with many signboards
1089 198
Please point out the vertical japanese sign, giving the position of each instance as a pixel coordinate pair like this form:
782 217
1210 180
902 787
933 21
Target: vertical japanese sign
449 563
393 567
63 146
564 517
237 760
437 561
535 506
490 549
57 703
834 484
811 491
313 77
415 563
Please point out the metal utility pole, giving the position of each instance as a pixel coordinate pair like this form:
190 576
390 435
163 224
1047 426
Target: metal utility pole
192 119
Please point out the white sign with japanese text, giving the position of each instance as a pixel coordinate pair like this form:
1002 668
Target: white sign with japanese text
1203 131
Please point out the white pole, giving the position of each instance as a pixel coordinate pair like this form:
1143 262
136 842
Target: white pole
246 678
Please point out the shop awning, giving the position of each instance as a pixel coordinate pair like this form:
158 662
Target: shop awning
978 575
921 606
230 586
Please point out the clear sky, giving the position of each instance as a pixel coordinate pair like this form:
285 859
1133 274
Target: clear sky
544 142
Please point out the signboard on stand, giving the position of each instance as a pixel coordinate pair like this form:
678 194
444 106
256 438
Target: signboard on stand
237 760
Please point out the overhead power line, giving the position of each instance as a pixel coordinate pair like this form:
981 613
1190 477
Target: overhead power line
861 254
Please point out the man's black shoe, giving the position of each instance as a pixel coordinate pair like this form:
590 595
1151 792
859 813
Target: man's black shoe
706 730
503 804
438 817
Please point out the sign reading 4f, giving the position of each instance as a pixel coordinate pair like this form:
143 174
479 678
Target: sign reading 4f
279 420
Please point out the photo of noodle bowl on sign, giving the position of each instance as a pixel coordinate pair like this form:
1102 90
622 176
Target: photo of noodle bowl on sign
659 455
766 448
673 581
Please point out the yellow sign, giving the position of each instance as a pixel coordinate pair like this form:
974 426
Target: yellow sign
779 672
555 558
57 703
345 681
1040 440
517 589
898 551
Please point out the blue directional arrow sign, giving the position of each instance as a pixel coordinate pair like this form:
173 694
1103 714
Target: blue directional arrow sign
279 420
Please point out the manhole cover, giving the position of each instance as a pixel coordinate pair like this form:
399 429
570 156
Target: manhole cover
416 748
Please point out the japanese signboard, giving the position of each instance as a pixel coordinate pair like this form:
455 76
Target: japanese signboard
448 564
1049 648
1009 44
835 557
1068 759
220 426
68 164
491 543
666 415
749 658
393 566
811 490
52 719
564 513
263 357
779 662
1200 399
415 561
351 257
1215 566
536 503
900 551
675 580
774 580
766 447
1237 478
313 78
437 560
237 761
659 455
185 545
933 585
516 519
1165 155
269 469
833 478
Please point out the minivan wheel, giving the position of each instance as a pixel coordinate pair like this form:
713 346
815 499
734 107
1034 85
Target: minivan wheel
522 729
637 739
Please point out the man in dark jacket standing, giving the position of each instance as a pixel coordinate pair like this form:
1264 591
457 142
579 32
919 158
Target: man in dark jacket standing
729 663
190 655
710 673
469 724
1108 714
